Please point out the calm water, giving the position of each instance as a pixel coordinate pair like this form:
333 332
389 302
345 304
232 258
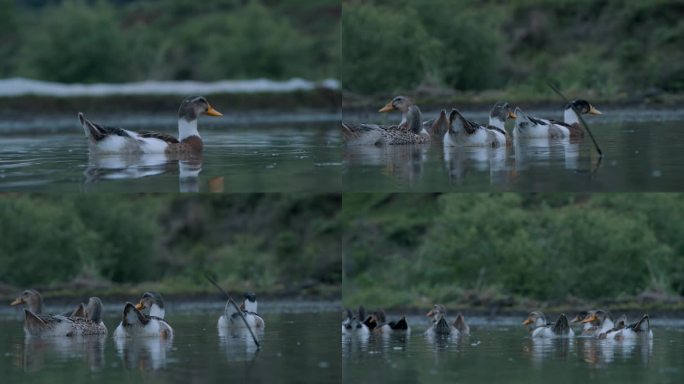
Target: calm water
504 353
235 159
638 156
296 347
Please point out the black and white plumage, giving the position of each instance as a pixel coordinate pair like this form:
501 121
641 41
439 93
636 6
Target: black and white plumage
466 133
134 323
354 324
442 327
231 318
539 328
103 139
533 127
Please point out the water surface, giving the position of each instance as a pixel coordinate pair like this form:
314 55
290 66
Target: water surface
504 353
295 347
638 156
272 158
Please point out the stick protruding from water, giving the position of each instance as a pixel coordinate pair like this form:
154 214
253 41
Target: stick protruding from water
579 115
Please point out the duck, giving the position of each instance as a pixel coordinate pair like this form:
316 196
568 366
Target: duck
135 323
108 140
601 320
498 116
382 326
231 317
532 127
588 329
466 133
409 131
441 326
38 324
351 325
641 328
539 328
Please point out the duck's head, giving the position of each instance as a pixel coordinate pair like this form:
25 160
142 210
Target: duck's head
399 103
583 107
437 312
502 111
535 319
154 302
194 106
596 317
579 317
249 302
94 309
31 299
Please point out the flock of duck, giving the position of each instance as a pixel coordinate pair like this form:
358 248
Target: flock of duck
142 320
595 323
455 130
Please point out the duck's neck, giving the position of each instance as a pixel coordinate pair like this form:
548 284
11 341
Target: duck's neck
413 119
607 324
570 117
496 122
157 311
187 129
36 306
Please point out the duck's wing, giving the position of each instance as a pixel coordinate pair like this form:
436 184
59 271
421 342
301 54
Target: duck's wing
364 134
561 326
538 121
469 126
132 316
461 325
439 126
561 123
97 132
36 323
442 327
170 139
643 325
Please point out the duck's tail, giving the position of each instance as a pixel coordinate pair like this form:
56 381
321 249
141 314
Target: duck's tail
456 117
96 132
561 327
461 325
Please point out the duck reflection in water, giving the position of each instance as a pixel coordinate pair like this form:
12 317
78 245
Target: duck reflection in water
145 354
238 344
37 351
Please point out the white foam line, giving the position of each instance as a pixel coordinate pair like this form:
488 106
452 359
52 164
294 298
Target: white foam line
22 86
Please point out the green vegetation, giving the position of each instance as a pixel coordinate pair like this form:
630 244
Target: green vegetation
276 244
605 50
488 250
122 41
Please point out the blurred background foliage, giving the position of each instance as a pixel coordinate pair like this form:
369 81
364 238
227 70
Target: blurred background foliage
123 40
278 244
412 250
606 47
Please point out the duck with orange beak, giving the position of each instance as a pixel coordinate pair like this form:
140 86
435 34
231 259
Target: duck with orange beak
539 328
107 140
411 129
135 323
527 126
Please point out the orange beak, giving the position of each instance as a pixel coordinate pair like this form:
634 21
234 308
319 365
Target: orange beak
139 306
430 314
589 319
594 111
527 321
212 112
387 108
512 115
17 301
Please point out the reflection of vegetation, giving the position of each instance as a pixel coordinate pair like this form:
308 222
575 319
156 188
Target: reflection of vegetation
403 249
272 243
608 47
113 41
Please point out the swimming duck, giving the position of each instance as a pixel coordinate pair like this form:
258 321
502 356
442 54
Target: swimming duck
465 133
501 112
601 320
382 326
231 318
529 126
541 329
441 326
641 328
351 325
38 324
134 323
588 329
409 131
103 139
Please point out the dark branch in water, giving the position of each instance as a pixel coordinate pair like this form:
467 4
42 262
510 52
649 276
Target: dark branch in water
239 311
579 115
